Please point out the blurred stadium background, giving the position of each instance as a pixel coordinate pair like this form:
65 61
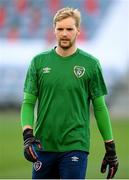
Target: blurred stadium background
25 30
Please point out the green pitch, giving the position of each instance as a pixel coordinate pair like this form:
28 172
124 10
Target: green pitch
14 166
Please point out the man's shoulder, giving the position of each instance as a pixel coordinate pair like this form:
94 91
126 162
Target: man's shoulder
42 54
41 57
88 57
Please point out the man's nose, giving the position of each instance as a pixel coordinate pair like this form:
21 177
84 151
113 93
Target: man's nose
64 32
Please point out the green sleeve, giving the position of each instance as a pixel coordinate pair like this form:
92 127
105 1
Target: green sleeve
102 117
31 83
27 110
97 86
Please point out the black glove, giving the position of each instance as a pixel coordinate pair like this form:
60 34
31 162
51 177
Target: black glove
110 159
30 144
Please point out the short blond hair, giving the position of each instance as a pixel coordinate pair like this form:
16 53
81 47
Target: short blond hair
68 12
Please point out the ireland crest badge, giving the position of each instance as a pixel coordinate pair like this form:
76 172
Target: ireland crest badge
79 71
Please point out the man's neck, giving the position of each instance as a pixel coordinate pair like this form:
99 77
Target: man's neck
65 52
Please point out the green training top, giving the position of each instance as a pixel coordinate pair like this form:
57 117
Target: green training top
64 87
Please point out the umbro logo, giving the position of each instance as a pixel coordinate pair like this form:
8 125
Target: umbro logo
46 70
74 158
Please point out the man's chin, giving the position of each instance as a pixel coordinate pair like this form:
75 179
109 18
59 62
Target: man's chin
65 46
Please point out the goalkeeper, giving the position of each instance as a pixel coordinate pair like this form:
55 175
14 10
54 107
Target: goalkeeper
63 81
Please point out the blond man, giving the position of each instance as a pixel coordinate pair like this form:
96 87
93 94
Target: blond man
65 80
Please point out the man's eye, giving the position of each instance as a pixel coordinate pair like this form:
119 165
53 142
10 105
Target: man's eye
60 29
70 29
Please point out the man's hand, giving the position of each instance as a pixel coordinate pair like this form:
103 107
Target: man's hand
110 159
30 144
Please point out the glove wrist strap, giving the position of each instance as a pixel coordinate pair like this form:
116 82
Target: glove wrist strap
28 133
110 148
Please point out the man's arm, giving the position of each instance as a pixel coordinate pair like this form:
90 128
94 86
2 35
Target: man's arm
104 124
27 122
102 117
27 111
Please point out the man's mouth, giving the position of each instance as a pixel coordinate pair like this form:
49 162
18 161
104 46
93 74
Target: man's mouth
64 39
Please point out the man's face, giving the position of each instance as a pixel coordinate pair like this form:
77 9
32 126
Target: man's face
66 32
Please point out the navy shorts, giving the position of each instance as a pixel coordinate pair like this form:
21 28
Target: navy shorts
62 165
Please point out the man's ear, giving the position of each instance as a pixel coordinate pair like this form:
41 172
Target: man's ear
78 31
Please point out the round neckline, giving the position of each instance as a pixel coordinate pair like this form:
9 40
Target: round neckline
65 57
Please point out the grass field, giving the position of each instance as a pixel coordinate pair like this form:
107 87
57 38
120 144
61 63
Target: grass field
14 166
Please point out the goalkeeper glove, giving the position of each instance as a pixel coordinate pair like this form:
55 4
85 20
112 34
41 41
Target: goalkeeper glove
110 159
30 144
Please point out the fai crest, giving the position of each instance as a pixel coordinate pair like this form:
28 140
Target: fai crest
37 165
79 71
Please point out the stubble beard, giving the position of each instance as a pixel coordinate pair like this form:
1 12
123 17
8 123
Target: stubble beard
66 47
